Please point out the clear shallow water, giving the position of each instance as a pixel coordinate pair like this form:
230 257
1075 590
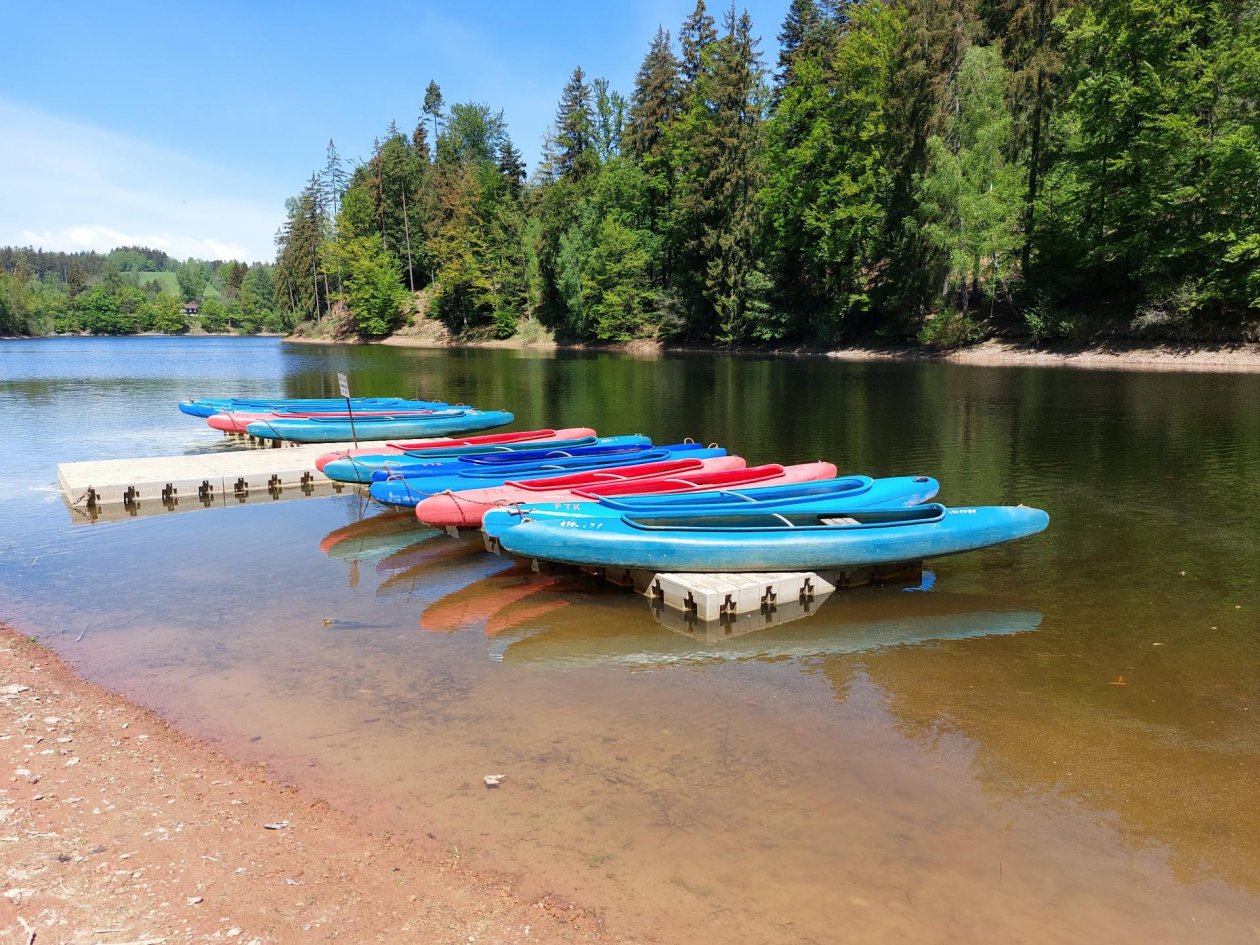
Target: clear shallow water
1056 743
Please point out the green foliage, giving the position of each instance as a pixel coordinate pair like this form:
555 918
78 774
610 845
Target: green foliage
193 278
970 196
373 293
911 160
166 314
948 329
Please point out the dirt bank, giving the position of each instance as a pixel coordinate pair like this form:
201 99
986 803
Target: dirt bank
115 828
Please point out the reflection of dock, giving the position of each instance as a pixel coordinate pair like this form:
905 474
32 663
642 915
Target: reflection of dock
123 488
578 641
732 624
724 597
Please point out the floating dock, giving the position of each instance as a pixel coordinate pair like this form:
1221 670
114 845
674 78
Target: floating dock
724 598
117 488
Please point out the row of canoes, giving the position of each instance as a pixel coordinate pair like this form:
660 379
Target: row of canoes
324 420
623 502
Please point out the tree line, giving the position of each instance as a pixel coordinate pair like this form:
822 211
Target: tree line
133 289
907 168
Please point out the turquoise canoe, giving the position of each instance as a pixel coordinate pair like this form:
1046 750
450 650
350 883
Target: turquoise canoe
209 406
317 430
841 537
855 492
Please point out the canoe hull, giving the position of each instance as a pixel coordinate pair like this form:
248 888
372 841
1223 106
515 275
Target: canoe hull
411 490
362 468
611 543
472 442
851 492
465 509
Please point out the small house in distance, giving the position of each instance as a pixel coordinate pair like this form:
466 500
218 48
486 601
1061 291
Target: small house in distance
192 308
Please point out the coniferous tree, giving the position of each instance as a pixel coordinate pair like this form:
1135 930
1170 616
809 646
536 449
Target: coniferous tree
511 166
570 148
828 177
654 106
433 105
609 120
801 23
696 35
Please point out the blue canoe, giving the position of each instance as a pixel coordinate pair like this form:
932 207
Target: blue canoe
209 406
409 491
361 468
841 537
854 492
524 460
337 430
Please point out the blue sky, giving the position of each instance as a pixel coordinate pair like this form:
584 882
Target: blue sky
185 126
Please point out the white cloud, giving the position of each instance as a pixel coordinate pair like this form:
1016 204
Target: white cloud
67 185
104 238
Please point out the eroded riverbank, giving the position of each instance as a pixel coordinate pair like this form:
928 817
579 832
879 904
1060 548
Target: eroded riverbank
117 827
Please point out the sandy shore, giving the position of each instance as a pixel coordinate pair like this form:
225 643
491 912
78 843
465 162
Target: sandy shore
115 828
1231 358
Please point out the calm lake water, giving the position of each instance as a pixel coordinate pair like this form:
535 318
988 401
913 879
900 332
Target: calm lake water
1056 743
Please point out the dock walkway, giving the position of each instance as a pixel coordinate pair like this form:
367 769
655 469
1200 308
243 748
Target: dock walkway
194 480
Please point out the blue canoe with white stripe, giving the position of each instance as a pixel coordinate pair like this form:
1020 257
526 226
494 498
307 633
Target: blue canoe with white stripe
853 492
410 490
822 539
361 468
338 430
209 406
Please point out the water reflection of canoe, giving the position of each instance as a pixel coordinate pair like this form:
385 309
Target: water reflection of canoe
452 564
622 640
474 604
517 614
375 537
391 519
436 546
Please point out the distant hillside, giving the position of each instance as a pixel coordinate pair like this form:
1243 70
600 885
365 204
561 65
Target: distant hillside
169 283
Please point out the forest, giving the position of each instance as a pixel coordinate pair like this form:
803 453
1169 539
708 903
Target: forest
924 169
133 289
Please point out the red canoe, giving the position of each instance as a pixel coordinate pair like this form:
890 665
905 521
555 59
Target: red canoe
465 509
488 439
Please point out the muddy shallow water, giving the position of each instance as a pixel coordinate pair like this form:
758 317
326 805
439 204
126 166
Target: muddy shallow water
1050 742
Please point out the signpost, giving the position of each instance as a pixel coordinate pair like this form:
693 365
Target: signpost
344 385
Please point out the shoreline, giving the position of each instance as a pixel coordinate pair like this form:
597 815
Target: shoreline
114 821
1239 357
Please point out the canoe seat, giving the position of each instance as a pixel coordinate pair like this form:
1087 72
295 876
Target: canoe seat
839 520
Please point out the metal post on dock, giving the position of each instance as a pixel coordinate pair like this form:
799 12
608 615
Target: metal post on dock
345 392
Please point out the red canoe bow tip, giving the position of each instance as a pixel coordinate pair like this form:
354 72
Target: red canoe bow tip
448 509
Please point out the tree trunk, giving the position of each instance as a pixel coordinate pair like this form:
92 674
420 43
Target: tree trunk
411 279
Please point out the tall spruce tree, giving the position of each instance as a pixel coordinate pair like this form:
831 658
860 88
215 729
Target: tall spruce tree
570 147
654 106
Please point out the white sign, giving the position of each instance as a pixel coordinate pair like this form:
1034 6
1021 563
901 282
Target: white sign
344 385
